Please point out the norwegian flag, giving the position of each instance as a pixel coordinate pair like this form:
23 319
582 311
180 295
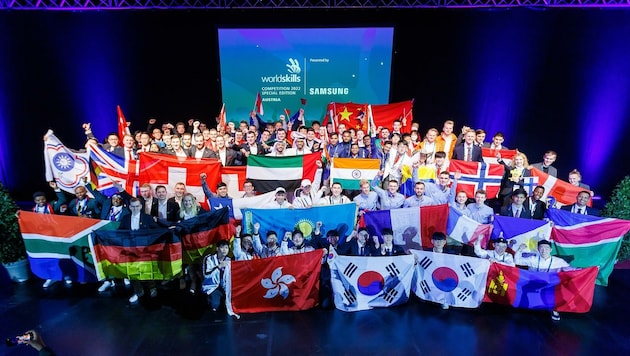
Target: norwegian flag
123 125
258 105
477 175
107 168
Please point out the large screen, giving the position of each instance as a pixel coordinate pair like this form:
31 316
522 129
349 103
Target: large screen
295 68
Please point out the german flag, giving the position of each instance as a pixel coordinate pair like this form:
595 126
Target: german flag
144 255
198 234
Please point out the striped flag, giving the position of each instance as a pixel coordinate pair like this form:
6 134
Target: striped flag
591 240
570 291
199 233
412 227
363 283
350 171
58 245
477 175
268 173
143 255
63 165
450 279
107 168
490 155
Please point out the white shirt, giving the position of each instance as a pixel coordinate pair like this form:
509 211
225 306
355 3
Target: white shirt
135 221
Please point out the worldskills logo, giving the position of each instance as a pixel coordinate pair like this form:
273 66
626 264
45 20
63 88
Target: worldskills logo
293 70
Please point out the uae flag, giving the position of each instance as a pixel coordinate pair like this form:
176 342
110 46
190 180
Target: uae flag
362 283
590 240
450 279
144 255
570 291
58 245
199 233
412 227
350 171
269 173
280 283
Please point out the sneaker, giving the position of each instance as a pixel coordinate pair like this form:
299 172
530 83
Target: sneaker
68 281
48 283
127 282
555 316
153 292
133 299
444 306
105 286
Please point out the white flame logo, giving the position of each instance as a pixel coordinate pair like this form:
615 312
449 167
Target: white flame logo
278 284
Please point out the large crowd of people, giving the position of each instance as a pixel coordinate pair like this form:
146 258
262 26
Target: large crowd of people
426 156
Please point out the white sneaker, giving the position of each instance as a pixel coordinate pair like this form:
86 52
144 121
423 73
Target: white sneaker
133 299
444 306
127 282
555 316
68 281
48 283
105 286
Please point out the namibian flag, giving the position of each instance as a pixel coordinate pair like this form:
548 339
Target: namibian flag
590 240
198 234
350 171
269 173
570 291
58 245
144 255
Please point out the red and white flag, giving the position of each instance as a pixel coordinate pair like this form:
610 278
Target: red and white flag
564 192
222 117
280 283
258 105
476 175
123 125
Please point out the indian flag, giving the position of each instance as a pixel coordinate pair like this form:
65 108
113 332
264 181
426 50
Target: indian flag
269 173
58 245
350 171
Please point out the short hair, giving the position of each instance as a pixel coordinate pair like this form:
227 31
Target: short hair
499 134
480 131
387 231
363 181
438 235
576 172
551 153
332 232
271 232
420 183
160 186
39 194
540 186
222 243
363 228
481 191
221 185
337 183
585 191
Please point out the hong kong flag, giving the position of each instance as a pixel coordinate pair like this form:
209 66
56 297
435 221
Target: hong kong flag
289 282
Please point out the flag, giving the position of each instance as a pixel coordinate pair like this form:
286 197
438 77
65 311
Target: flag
350 114
234 177
407 185
350 171
476 175
222 117
570 291
413 227
280 283
258 105
238 204
385 114
363 283
564 192
529 184
123 125
58 245
466 230
490 155
107 168
591 240
143 255
450 279
199 233
340 217
63 165
521 231
168 170
268 173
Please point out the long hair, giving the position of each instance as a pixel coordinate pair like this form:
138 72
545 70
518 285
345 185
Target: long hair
194 211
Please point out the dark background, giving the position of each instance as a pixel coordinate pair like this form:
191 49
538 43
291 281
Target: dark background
550 79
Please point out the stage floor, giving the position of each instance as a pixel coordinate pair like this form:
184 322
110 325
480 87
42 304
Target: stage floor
78 321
